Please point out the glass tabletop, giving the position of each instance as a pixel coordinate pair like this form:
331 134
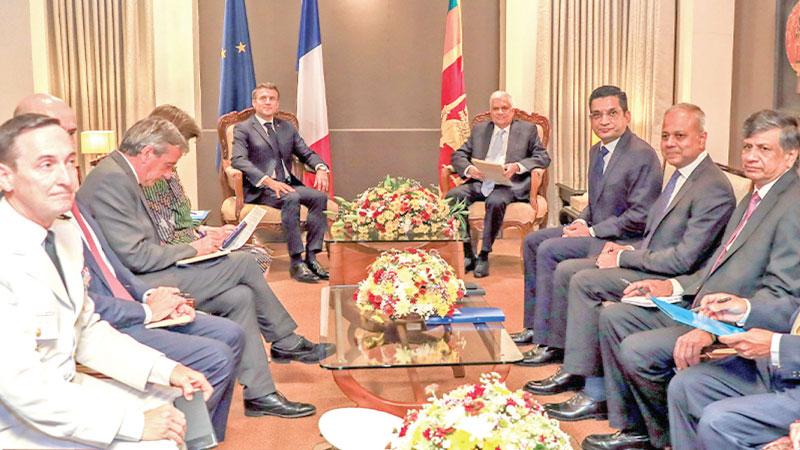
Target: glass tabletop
361 344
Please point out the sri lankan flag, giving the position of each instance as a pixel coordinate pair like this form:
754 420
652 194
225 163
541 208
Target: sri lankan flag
454 116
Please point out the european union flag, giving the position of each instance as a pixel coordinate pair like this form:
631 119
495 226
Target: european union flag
237 76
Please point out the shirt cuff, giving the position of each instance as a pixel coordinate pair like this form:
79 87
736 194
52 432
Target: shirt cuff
591 232
619 254
161 371
321 167
466 171
581 221
774 350
746 315
677 289
521 169
261 181
148 313
132 427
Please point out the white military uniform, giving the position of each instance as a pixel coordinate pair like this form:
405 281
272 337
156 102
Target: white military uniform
45 328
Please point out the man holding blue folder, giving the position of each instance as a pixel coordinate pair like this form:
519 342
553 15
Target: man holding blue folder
758 266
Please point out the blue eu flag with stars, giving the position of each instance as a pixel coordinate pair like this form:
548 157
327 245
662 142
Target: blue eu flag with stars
237 76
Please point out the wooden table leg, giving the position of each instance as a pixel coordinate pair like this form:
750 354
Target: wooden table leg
459 372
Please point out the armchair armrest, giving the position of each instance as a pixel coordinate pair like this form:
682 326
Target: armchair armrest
445 175
565 192
235 181
537 178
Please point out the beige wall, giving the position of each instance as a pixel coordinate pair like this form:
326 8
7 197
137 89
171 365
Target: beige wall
17 77
382 72
753 66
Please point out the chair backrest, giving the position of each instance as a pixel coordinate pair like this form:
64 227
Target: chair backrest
225 126
539 120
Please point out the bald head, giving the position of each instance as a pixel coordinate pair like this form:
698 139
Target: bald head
51 106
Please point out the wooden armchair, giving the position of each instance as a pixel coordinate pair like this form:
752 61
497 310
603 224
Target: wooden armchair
233 207
522 216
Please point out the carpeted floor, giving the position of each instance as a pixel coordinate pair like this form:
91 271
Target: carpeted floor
311 383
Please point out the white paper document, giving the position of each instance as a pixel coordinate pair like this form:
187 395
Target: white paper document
645 302
491 172
240 235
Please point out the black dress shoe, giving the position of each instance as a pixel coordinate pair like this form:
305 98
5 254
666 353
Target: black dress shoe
302 273
621 440
318 270
276 404
541 355
481 268
523 337
555 384
304 351
579 407
469 263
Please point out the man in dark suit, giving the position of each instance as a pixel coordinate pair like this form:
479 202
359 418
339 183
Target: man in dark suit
624 181
513 143
683 229
756 268
741 402
262 149
208 344
231 286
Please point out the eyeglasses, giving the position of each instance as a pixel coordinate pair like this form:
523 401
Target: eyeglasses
613 114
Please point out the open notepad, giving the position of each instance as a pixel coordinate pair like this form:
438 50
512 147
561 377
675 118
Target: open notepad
644 301
492 172
240 235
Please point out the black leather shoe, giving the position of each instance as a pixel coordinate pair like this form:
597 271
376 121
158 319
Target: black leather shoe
621 440
302 273
541 355
304 351
579 407
481 268
555 384
469 263
318 270
523 337
276 404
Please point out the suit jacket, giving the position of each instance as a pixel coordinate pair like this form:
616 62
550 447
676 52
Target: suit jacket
679 239
46 328
118 204
257 154
116 311
763 264
523 147
618 207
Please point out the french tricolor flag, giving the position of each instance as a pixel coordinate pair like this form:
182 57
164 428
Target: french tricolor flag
312 111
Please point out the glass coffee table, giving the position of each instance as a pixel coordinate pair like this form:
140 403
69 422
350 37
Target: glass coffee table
362 345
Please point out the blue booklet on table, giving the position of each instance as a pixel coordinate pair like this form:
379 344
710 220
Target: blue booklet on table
469 314
695 320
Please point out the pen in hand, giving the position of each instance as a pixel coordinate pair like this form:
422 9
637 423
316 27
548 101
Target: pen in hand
721 300
638 289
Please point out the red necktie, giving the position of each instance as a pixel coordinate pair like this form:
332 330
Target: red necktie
754 199
117 288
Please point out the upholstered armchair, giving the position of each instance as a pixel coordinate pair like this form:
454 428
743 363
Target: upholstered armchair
233 208
522 216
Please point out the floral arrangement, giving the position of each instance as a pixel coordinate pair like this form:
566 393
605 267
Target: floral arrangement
398 208
423 348
480 416
403 283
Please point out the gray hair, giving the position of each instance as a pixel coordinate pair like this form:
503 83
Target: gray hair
152 131
769 119
501 95
699 115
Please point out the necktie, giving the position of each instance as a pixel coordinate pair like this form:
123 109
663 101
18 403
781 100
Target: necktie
596 177
754 200
495 154
660 206
117 289
50 248
280 173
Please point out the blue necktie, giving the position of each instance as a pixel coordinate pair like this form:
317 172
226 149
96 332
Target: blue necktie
663 199
494 153
596 177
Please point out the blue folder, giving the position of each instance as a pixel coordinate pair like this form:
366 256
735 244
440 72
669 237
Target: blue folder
469 314
695 320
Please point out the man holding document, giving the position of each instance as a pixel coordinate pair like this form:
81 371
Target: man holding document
757 267
230 286
509 150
